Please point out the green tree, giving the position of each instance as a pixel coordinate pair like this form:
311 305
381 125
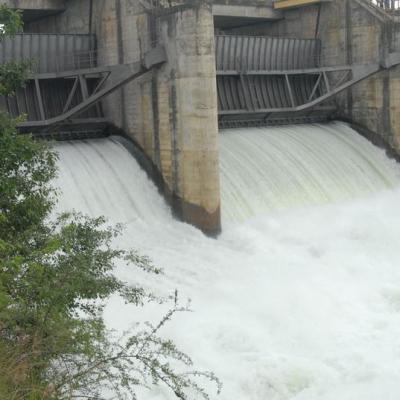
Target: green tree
55 278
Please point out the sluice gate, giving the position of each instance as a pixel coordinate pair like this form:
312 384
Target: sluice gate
64 89
270 81
260 81
47 93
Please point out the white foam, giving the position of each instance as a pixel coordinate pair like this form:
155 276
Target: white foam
269 169
302 304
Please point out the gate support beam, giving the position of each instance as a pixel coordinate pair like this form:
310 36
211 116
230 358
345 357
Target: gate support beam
40 99
71 96
353 74
115 76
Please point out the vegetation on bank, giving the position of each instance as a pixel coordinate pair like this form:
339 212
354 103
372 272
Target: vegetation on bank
55 277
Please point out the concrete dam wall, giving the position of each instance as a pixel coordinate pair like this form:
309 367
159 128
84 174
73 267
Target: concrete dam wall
173 113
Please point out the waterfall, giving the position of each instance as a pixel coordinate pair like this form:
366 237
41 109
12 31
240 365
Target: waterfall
268 169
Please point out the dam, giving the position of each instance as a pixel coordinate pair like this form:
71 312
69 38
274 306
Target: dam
249 148
170 74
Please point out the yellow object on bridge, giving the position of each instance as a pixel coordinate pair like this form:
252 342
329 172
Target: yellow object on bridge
282 4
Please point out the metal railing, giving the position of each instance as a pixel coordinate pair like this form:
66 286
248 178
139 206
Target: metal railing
389 5
48 56
75 60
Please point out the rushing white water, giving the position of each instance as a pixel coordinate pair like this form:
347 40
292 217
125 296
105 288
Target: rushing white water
268 169
301 304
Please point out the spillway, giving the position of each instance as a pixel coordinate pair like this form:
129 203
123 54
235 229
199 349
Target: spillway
269 169
293 301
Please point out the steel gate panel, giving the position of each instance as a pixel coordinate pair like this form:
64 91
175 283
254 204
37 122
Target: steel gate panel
52 52
241 90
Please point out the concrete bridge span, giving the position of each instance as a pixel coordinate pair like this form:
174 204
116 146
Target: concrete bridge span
172 114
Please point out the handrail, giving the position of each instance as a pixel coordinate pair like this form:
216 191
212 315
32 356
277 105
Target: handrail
388 5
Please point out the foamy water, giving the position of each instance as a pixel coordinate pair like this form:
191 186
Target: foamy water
300 304
269 169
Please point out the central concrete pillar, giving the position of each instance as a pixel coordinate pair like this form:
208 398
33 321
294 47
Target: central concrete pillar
187 121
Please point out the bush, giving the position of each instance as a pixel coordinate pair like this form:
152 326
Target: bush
55 278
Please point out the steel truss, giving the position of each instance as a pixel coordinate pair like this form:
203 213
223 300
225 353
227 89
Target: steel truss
277 87
106 80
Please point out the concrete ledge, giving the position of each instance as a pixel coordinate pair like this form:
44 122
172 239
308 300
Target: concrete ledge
285 4
242 11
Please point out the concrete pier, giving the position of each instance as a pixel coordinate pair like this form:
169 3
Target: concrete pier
186 91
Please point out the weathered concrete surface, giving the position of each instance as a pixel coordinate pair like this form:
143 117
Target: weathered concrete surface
285 4
75 19
250 3
230 16
246 11
300 23
189 139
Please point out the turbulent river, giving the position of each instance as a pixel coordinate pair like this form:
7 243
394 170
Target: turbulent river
299 298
